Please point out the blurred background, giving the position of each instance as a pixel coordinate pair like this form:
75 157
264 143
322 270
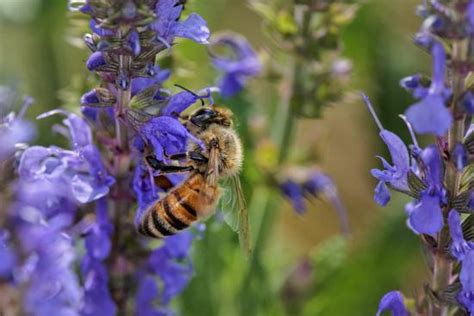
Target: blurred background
307 268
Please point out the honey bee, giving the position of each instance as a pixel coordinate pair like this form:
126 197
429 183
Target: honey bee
197 197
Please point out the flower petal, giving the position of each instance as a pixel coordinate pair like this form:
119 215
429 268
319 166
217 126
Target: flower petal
95 60
230 85
396 175
468 102
414 85
430 116
382 194
434 168
141 83
466 296
398 151
424 215
7 257
80 131
178 103
238 65
393 302
459 246
194 28
294 192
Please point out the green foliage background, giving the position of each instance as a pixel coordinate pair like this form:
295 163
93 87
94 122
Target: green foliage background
348 276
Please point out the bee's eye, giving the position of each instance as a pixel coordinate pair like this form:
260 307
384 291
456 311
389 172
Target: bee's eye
203 116
206 111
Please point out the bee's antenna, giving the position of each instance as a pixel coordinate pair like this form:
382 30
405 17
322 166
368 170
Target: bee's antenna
192 92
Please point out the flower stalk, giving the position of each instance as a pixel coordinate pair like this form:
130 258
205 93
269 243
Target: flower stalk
434 177
303 45
443 265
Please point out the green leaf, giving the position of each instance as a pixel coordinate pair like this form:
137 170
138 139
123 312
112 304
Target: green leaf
469 143
468 228
285 24
467 178
415 184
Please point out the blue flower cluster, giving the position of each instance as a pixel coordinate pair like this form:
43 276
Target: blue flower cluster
433 176
71 241
53 183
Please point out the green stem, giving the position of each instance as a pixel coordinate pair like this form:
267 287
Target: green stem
267 200
120 203
282 136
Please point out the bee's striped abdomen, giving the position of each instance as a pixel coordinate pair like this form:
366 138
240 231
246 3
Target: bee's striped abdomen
178 209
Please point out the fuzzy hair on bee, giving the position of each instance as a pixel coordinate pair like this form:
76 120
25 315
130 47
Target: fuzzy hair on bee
196 198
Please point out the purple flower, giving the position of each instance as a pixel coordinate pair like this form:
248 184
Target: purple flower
414 85
241 64
395 176
97 238
158 77
430 115
172 265
147 293
167 26
433 169
97 298
180 101
381 193
37 193
16 132
424 213
99 30
393 302
459 246
463 251
459 157
468 102
90 98
470 14
144 188
95 60
81 170
8 258
166 135
13 128
294 192
466 295
53 286
133 42
319 184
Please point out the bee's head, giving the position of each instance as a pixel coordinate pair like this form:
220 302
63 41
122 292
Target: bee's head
216 115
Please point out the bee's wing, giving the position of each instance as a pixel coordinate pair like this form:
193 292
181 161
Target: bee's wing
137 118
212 172
145 100
209 187
233 206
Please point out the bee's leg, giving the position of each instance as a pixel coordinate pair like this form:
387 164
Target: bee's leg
163 168
189 155
175 169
